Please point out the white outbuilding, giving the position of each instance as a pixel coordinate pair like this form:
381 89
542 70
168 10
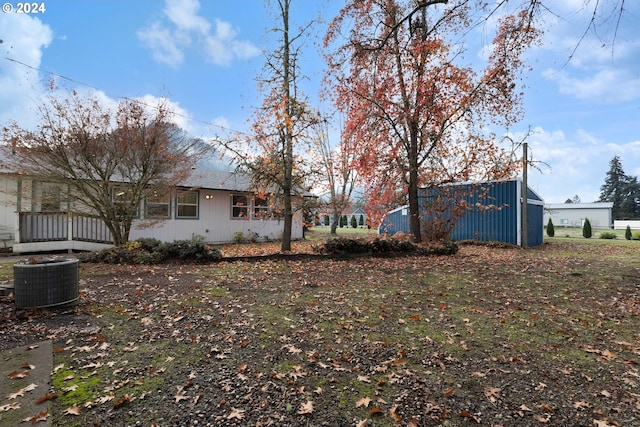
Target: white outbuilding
574 214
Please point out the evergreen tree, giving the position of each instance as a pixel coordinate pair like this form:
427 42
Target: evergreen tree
586 229
627 233
354 222
550 230
361 221
622 190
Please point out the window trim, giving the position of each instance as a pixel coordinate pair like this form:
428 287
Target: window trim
178 204
246 207
168 204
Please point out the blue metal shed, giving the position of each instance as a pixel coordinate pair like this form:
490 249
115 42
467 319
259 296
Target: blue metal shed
489 211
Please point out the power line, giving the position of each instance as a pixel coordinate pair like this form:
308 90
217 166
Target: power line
51 73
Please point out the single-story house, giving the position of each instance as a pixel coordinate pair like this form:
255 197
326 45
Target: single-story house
574 214
487 211
217 205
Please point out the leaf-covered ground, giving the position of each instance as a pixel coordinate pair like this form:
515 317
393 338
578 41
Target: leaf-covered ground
490 336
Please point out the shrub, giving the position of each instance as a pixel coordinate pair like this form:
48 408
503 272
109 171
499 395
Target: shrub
627 233
608 235
354 222
361 221
153 251
378 245
635 235
586 229
550 230
238 237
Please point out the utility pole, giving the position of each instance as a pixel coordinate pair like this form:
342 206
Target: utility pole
525 196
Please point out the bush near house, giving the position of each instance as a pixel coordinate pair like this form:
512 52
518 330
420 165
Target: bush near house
627 233
153 251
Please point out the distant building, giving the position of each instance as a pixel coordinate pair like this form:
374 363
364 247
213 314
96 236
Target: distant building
574 214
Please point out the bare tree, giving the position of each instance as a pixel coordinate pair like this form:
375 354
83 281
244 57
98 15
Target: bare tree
273 154
105 161
337 173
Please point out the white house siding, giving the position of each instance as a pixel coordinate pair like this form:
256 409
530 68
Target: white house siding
574 214
214 223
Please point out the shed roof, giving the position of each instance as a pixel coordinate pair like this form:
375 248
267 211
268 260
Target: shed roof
595 205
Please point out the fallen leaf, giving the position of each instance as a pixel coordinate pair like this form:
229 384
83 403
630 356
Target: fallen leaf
26 365
181 395
603 423
467 414
364 401
362 423
376 411
364 378
306 408
449 392
581 405
41 416
72 410
17 375
238 414
121 402
393 413
46 397
9 406
492 393
69 389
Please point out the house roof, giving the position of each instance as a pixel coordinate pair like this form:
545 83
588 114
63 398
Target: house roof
595 205
218 180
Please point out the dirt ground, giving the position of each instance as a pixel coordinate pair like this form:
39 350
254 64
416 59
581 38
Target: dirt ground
490 336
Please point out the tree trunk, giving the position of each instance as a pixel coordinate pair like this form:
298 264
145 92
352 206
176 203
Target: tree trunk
334 222
414 201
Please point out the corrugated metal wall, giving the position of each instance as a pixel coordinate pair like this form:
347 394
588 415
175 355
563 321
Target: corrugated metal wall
493 213
493 216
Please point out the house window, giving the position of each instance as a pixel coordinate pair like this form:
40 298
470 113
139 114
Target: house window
187 204
261 207
51 197
122 200
239 206
158 206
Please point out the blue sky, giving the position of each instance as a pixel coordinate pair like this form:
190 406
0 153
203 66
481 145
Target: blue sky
205 57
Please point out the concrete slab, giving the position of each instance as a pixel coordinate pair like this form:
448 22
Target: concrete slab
25 376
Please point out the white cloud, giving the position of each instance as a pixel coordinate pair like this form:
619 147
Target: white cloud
23 38
165 45
604 86
577 163
168 39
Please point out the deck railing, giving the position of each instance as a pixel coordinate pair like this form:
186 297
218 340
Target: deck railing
60 226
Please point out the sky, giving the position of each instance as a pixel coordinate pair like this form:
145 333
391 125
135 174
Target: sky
582 105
